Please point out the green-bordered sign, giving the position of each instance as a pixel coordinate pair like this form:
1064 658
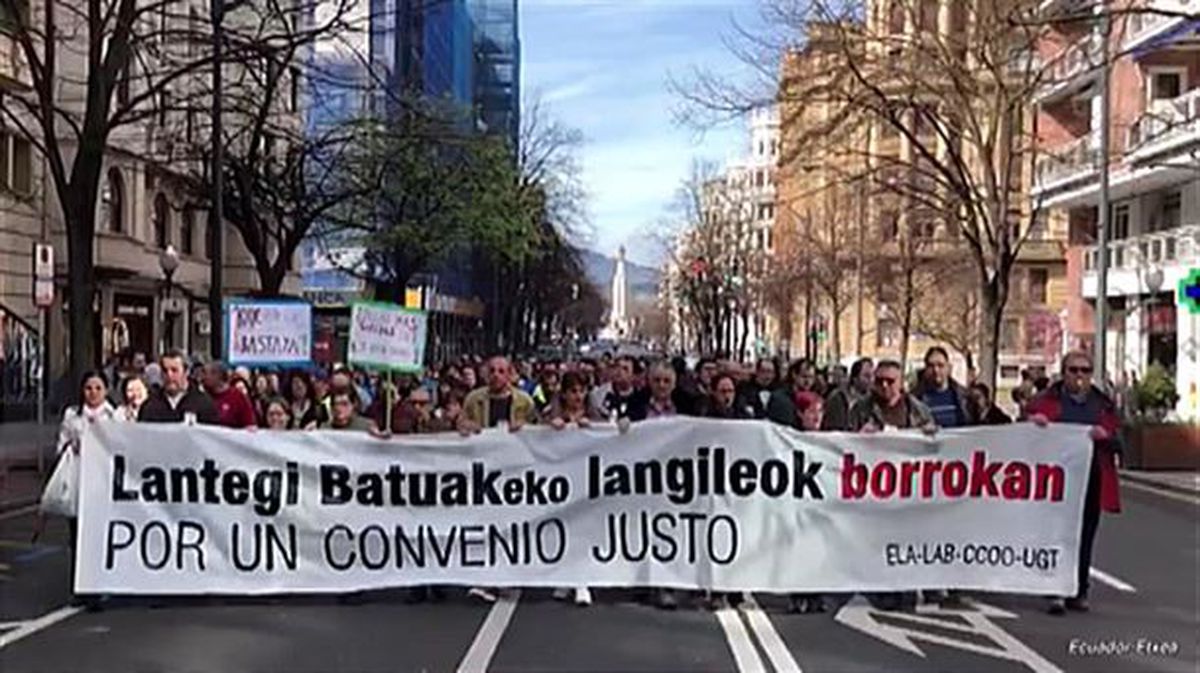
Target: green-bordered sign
387 337
1189 291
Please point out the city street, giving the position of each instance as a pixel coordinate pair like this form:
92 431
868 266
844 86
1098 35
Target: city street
1144 604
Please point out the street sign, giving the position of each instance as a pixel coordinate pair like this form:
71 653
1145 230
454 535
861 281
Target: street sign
43 293
43 261
1189 291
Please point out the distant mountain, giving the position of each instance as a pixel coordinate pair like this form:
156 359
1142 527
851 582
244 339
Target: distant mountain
643 280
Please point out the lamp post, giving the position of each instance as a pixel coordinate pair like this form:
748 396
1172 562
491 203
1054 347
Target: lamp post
168 261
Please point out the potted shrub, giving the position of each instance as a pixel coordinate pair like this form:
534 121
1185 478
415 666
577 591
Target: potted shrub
1155 441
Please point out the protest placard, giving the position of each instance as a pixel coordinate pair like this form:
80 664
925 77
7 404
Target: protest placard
386 337
268 332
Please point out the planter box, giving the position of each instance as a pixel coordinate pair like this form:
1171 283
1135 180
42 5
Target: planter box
1166 446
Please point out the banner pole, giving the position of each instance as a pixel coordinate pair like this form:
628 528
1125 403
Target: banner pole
390 401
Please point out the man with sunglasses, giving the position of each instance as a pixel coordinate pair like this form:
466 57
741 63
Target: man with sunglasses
1075 400
889 406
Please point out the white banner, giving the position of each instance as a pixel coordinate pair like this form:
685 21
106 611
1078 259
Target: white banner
688 503
265 332
386 336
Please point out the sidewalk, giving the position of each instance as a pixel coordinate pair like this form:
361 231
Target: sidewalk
1185 482
21 474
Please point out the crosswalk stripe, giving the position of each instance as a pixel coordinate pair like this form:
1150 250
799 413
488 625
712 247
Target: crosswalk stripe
1111 581
483 648
781 658
34 625
744 653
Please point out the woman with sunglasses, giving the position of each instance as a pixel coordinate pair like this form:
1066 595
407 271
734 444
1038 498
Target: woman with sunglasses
1075 399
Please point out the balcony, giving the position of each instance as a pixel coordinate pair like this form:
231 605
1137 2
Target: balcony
1168 126
1159 18
1078 160
1074 68
1175 251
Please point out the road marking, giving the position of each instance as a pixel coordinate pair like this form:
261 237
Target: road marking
902 630
781 658
34 625
1111 581
484 647
740 643
1182 497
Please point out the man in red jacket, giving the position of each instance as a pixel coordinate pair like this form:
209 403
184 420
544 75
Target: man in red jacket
1075 400
234 409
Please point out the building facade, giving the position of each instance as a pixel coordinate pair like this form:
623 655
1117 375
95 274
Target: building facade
149 216
1153 159
727 253
870 259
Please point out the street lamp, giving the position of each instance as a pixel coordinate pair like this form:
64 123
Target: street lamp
168 261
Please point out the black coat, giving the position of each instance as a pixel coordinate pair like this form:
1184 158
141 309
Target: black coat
157 409
749 399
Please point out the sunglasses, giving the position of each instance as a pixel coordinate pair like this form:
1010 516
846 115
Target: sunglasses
1079 370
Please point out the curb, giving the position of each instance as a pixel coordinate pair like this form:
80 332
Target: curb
1159 485
18 503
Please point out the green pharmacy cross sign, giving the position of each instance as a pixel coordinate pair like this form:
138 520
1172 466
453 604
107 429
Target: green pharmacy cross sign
1189 291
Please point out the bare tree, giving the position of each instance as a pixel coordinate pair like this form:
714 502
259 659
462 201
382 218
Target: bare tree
716 263
100 72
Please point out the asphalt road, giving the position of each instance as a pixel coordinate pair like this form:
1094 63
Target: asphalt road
1145 611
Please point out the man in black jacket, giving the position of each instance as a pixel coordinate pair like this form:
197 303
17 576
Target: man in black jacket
177 401
754 394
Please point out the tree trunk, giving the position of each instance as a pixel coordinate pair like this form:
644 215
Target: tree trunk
80 225
835 329
992 309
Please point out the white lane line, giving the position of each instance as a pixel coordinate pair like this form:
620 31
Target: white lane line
781 658
1111 581
488 639
34 625
744 652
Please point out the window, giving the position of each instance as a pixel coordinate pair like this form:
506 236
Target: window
759 179
1035 338
1118 229
762 148
1010 333
162 214
927 16
187 229
22 166
896 17
16 164
123 86
164 105
294 93
1171 211
13 13
1039 280
1165 84
889 225
114 201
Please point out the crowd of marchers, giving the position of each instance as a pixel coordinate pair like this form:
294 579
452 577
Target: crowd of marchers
472 394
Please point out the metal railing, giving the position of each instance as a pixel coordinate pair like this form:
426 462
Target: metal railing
1166 121
1158 15
1080 57
1177 246
1080 156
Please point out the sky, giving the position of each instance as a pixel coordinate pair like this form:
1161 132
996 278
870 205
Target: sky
603 67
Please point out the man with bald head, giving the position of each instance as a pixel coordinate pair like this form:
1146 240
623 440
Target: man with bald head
498 402
234 409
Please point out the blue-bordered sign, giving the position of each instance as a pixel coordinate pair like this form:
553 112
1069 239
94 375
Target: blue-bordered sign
387 337
1189 291
268 332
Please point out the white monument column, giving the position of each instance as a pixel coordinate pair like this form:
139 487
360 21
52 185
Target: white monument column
618 320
